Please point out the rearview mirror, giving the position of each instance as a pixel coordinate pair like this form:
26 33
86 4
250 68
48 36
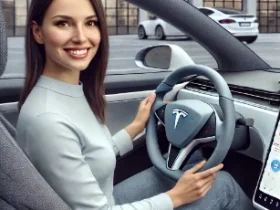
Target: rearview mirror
167 57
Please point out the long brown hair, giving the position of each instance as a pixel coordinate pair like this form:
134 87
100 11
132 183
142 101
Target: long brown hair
92 78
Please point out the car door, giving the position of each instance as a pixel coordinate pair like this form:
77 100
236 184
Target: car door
172 31
150 25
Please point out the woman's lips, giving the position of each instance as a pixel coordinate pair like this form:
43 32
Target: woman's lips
77 53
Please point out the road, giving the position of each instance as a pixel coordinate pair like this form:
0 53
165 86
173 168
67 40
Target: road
124 48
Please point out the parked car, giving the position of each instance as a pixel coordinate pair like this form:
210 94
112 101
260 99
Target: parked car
158 28
243 26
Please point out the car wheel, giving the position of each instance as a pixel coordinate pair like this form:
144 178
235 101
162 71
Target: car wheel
252 39
142 33
160 33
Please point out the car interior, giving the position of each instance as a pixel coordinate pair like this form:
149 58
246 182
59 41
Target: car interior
254 85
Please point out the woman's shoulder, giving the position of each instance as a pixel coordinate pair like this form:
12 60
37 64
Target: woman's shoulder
44 124
39 103
38 111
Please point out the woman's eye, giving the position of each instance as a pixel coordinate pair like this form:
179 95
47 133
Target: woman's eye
62 23
92 23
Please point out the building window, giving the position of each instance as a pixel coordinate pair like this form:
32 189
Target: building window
122 17
9 15
268 12
230 4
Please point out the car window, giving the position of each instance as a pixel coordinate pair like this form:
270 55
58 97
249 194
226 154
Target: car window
229 11
206 12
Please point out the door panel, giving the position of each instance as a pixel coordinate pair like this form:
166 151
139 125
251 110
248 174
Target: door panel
122 108
150 27
10 112
126 81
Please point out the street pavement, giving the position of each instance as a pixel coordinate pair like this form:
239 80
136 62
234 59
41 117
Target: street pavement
123 49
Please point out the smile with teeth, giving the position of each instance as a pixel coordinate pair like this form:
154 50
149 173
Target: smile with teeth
78 53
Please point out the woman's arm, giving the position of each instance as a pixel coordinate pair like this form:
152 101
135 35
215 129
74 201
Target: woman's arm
122 139
134 129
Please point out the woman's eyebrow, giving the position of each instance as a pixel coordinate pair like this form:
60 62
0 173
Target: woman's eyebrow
91 16
68 17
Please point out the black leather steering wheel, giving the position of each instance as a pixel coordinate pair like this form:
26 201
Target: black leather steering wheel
190 122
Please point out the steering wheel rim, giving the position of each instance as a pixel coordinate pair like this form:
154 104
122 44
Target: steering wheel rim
224 135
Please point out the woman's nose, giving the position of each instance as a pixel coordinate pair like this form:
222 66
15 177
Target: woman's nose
79 35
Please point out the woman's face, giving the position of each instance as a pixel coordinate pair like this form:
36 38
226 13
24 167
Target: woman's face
70 35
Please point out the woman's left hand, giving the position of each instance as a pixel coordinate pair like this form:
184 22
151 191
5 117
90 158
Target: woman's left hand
144 111
142 116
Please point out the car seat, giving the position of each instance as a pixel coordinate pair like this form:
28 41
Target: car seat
21 185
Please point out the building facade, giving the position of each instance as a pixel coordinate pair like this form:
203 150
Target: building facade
123 18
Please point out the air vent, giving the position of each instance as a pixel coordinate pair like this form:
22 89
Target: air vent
273 98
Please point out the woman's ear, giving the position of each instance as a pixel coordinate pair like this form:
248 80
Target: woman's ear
37 33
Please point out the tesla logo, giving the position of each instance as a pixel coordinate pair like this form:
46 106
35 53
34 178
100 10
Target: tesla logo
179 113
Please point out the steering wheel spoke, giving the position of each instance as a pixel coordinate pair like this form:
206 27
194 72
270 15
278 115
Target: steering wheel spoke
176 157
159 113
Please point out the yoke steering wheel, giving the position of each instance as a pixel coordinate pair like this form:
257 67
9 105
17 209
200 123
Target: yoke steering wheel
190 122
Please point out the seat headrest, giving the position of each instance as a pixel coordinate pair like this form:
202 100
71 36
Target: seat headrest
3 42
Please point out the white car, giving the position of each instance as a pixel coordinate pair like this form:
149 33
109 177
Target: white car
243 26
158 28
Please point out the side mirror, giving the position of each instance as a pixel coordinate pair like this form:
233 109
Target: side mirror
168 57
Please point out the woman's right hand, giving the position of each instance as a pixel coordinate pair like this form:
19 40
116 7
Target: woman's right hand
192 185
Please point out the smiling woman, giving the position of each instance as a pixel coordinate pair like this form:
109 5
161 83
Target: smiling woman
70 43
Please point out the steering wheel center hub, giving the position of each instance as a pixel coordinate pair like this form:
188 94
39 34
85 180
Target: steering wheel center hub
184 119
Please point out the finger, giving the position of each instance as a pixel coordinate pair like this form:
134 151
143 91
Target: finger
196 168
203 191
144 102
167 102
210 171
149 99
206 180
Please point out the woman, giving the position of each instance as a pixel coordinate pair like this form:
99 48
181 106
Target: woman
61 123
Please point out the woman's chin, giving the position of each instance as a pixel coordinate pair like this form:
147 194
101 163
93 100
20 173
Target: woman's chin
78 67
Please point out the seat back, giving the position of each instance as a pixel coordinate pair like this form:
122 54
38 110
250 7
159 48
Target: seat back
21 185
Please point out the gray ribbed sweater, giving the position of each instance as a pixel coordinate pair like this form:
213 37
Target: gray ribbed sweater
72 150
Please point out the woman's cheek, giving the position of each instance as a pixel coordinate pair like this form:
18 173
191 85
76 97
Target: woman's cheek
58 38
96 36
